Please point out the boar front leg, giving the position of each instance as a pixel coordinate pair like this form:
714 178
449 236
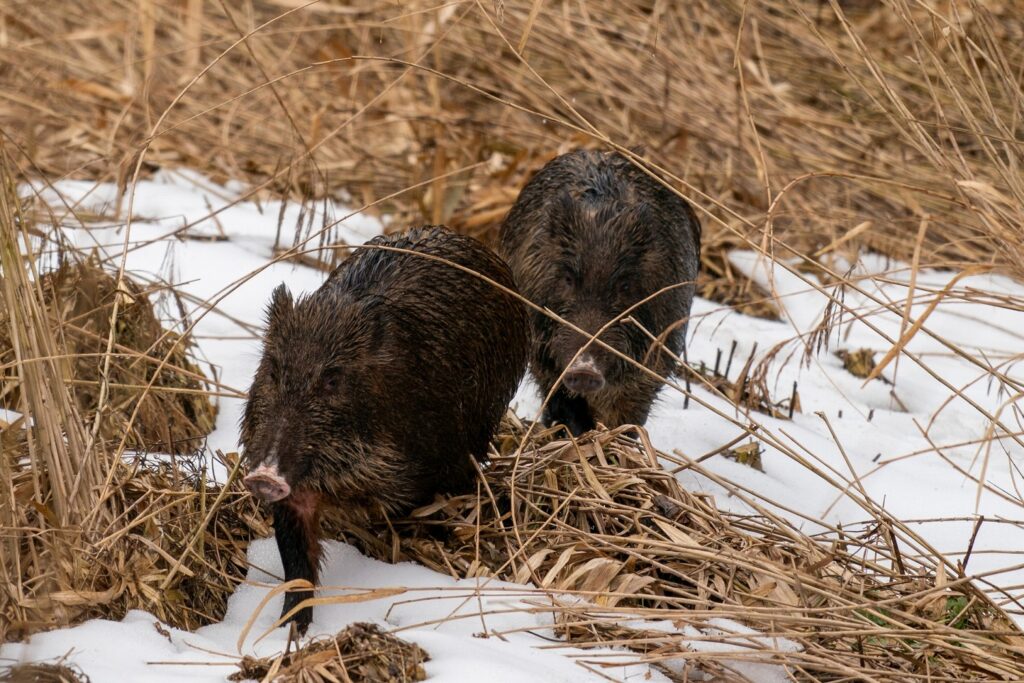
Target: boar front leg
297 529
569 410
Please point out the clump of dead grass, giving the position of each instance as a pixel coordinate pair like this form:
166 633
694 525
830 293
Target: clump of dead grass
174 544
86 532
360 653
42 673
172 411
601 519
859 363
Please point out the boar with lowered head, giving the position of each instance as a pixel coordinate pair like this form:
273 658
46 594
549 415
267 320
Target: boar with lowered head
590 236
374 391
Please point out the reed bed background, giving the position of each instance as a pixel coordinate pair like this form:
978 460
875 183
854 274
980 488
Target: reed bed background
878 124
803 129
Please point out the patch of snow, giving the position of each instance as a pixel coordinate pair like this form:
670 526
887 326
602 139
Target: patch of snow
469 628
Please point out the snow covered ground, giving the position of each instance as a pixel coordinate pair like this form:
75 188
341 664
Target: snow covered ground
908 441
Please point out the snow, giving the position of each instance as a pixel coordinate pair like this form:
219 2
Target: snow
482 632
908 443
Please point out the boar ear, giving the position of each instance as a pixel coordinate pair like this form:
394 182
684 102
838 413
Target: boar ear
280 305
639 220
562 216
372 315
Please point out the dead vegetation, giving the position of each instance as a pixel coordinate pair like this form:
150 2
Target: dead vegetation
360 653
173 415
171 543
860 363
87 532
42 673
601 519
749 390
801 128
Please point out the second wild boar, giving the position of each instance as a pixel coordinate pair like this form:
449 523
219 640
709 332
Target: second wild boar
590 236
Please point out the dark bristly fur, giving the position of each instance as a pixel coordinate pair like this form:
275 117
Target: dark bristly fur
374 390
589 236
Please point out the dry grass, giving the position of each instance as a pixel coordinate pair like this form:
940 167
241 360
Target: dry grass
175 413
801 128
358 654
175 545
600 519
749 390
84 531
828 125
42 673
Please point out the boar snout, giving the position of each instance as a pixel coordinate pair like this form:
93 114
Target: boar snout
583 376
267 484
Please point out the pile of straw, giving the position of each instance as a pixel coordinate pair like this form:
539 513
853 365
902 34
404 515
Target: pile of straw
360 653
601 520
169 543
42 673
155 396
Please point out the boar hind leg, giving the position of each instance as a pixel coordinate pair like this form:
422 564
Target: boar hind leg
571 411
297 529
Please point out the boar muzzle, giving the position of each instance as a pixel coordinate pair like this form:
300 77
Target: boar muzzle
267 484
583 377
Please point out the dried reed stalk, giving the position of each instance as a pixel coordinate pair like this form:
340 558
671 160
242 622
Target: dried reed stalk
64 479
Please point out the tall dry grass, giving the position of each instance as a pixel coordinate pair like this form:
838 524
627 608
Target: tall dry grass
85 532
61 467
829 124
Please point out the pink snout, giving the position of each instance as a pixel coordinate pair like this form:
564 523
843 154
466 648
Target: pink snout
267 484
583 377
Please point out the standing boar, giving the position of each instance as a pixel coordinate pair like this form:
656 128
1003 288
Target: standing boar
590 236
374 391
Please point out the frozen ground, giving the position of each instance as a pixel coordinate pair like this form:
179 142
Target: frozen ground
909 441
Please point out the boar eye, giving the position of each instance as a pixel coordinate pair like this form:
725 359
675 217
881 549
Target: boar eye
568 279
330 381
